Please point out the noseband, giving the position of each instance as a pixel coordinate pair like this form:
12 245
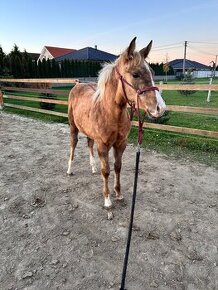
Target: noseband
134 109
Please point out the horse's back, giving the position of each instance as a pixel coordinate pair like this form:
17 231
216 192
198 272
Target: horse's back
82 91
80 107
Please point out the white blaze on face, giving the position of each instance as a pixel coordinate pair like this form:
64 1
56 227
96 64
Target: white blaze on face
160 102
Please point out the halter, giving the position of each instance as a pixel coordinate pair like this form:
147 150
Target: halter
135 109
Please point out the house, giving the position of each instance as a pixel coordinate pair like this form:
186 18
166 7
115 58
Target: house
50 52
198 69
33 55
88 53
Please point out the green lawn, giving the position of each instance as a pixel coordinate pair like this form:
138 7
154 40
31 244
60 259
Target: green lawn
197 99
178 145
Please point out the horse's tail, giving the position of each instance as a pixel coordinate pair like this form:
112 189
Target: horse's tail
70 109
70 112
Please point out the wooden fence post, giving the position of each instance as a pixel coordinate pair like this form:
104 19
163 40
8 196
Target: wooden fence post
1 100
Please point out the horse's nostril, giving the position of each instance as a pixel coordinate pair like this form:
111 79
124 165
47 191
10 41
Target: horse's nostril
158 109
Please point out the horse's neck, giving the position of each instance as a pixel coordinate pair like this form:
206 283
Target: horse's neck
113 100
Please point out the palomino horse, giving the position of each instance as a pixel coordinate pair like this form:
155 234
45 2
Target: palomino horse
100 111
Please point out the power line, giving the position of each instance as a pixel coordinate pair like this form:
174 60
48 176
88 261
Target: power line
205 48
201 51
167 47
203 42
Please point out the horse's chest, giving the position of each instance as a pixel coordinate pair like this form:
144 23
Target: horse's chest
123 130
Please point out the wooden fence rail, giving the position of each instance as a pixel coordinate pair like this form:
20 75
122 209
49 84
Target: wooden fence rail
188 109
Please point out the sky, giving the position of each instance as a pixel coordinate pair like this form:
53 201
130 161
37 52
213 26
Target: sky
111 25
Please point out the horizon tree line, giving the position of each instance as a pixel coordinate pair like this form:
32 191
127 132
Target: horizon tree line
17 64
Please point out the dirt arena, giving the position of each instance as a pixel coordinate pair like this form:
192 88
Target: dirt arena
54 233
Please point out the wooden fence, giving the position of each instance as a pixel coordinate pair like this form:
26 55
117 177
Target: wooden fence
188 109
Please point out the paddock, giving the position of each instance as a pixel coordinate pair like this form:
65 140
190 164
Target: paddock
54 233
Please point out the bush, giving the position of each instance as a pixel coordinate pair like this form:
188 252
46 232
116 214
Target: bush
47 106
187 80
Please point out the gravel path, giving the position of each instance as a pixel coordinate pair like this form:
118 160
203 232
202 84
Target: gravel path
54 233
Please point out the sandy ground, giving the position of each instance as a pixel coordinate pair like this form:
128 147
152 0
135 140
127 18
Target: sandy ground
54 233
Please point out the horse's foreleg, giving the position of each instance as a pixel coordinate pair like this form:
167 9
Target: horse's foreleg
91 154
118 153
103 152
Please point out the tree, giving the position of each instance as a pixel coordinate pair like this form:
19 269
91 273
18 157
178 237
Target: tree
2 56
25 65
15 60
188 79
166 69
15 51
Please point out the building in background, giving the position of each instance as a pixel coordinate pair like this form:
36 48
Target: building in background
50 52
197 69
88 54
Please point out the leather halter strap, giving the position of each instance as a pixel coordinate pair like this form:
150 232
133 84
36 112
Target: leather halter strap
135 110
138 91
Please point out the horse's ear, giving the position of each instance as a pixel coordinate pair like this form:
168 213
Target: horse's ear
131 49
145 51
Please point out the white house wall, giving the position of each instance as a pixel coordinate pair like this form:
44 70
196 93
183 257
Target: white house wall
45 54
203 74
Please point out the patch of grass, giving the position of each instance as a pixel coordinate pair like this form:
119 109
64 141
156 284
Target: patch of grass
36 115
196 121
58 108
198 99
204 150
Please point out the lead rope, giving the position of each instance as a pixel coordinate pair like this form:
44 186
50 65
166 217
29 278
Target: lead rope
138 152
125 263
134 110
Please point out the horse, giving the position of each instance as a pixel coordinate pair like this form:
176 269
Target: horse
100 111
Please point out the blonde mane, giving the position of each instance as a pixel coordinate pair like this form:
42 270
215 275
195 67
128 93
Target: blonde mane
103 76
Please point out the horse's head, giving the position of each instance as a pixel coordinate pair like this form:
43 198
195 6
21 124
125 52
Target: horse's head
137 81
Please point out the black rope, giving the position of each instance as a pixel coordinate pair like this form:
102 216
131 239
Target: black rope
125 264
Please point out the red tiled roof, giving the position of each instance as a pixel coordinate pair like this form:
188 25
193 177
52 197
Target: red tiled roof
58 51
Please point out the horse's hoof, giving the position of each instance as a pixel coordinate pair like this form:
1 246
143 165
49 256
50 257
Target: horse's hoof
69 173
120 198
108 207
110 215
121 202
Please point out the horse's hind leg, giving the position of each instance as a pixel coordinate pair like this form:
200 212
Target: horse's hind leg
73 142
103 152
91 152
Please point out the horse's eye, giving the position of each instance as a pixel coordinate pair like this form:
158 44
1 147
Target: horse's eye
135 75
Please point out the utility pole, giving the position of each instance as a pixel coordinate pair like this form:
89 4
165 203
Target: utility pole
184 59
215 64
166 67
213 74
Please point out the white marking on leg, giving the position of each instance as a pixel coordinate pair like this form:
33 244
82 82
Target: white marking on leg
69 171
107 202
93 164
